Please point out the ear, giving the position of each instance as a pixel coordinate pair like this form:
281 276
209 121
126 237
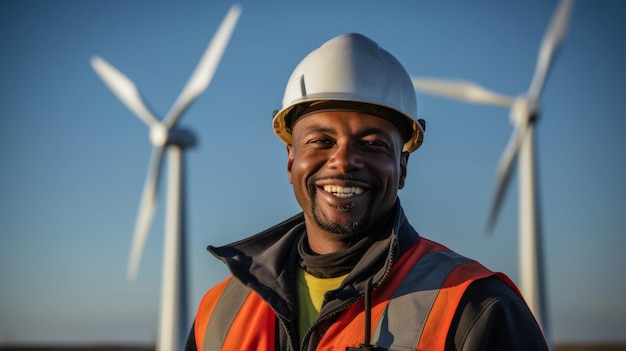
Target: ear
404 160
289 161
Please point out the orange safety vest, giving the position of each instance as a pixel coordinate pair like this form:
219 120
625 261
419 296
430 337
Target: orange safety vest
412 308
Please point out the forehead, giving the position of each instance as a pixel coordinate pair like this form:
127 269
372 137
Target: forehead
352 122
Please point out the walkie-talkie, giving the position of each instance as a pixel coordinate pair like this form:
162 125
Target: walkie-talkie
368 321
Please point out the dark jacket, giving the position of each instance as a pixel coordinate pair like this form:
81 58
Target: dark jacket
490 315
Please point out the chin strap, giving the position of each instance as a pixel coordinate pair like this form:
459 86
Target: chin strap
368 321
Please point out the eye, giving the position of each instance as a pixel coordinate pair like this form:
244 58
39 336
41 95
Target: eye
321 142
376 145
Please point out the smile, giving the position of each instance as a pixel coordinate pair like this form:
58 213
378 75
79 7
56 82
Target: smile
343 192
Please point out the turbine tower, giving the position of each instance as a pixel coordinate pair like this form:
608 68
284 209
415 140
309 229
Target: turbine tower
524 115
166 135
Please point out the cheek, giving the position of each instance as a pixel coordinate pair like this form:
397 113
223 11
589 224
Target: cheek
391 174
294 166
297 170
302 164
303 168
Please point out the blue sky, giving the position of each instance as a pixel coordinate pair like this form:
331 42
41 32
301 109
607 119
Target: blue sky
74 158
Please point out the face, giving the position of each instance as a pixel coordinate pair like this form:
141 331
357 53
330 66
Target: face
346 169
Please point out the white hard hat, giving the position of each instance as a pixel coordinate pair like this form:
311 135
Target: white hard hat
351 72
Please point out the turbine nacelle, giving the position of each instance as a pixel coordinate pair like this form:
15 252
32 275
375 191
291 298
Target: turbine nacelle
161 135
524 111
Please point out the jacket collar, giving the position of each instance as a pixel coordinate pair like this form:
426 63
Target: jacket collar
266 262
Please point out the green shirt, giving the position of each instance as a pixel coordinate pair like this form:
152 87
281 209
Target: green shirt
311 290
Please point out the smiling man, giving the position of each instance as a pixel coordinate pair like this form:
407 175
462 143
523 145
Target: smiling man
350 272
346 168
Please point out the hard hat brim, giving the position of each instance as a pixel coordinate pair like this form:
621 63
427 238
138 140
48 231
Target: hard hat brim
411 131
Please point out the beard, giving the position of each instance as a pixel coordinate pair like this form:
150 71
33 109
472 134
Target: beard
347 231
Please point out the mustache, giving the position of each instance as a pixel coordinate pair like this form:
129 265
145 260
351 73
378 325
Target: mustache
342 176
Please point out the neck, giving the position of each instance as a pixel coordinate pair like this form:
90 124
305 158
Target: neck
322 242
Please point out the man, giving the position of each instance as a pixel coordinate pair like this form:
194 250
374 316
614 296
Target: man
350 272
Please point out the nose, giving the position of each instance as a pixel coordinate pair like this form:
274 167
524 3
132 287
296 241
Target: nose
345 158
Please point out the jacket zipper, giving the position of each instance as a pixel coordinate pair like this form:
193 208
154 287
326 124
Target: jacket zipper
336 312
293 342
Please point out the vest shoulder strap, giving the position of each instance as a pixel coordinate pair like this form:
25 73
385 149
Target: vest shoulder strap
415 305
226 315
216 312
444 307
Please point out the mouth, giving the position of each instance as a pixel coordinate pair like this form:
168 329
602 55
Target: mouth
343 191
340 202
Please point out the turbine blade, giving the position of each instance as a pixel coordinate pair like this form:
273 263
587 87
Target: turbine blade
124 89
505 169
203 74
552 41
147 208
461 90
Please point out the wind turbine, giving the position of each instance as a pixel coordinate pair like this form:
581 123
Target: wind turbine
524 114
165 134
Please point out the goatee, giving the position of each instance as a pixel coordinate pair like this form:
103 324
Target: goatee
349 230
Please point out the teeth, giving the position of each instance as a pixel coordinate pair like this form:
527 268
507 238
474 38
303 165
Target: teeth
341 191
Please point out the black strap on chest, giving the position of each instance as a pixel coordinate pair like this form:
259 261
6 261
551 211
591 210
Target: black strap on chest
368 321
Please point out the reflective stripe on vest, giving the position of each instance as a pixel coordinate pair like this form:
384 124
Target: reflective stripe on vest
416 304
235 312
411 310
